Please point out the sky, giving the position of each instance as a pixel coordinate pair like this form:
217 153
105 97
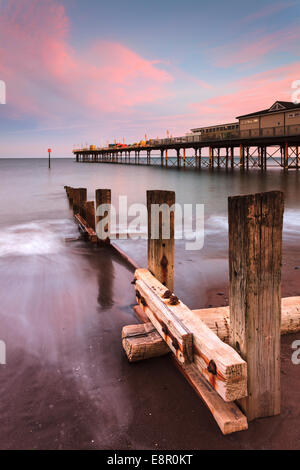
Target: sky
89 72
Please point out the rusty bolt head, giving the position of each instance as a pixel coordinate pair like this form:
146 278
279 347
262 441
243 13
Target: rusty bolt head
174 300
175 344
212 368
167 294
133 282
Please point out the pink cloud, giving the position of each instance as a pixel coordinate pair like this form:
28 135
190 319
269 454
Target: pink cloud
46 76
253 49
250 94
267 11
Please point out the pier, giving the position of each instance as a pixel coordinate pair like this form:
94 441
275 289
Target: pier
249 143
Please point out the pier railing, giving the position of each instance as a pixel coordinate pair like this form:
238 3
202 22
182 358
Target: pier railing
279 131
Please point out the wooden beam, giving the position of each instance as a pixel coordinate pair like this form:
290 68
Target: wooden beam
220 364
218 319
227 415
142 342
172 330
255 251
160 241
103 196
90 214
86 229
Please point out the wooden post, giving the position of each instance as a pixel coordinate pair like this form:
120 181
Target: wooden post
255 246
184 157
103 196
297 156
166 157
90 214
79 199
161 250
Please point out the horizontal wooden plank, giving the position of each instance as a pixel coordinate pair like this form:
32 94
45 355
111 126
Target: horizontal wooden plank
217 318
227 415
142 342
169 326
220 364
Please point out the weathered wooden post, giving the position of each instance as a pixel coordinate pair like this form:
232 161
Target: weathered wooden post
90 214
255 246
161 236
103 196
79 199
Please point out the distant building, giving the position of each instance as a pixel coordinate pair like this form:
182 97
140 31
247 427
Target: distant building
280 115
216 128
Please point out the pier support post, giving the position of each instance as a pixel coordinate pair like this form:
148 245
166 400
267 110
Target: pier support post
211 157
178 158
103 196
231 157
247 157
162 157
184 157
255 250
227 157
166 157
286 156
161 236
242 157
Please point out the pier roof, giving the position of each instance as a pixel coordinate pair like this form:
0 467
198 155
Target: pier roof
278 106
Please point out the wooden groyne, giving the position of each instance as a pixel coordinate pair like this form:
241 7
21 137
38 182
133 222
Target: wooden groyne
230 355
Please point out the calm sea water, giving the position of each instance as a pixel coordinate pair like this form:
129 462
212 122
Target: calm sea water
63 304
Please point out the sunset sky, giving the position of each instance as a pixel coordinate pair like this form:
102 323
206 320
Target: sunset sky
90 71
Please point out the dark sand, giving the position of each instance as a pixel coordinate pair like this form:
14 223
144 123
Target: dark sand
99 401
